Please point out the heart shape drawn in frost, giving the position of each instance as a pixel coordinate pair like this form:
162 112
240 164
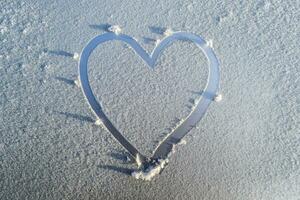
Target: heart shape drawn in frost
158 159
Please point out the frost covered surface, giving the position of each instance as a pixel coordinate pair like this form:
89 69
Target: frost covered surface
246 147
150 172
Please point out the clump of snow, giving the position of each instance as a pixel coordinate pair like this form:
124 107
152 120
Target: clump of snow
138 160
99 122
76 56
182 142
157 41
151 171
115 29
196 101
77 82
210 43
173 150
168 32
181 121
218 98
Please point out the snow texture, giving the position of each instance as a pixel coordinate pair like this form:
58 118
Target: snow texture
246 147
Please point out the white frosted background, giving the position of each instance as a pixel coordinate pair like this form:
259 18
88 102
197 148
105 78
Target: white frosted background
246 146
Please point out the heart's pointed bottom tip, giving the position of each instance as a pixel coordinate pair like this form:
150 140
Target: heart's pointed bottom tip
150 169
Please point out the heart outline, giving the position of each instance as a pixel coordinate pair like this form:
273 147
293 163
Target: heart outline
211 88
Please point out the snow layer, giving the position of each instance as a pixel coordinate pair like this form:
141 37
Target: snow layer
246 147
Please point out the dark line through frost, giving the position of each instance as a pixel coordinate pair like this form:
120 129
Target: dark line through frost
164 148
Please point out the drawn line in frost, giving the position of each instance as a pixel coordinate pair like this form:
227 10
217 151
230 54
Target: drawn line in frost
149 167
